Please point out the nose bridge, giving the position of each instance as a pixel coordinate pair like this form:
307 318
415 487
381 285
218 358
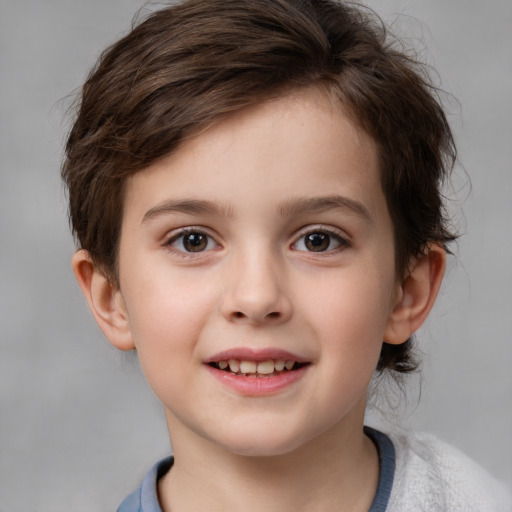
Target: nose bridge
256 286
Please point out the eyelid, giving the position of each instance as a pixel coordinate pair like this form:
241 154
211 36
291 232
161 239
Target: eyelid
340 235
176 234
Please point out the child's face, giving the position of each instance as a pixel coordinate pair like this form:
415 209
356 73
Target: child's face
265 238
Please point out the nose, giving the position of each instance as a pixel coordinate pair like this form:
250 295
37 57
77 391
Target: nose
256 291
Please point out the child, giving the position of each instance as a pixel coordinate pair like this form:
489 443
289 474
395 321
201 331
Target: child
255 189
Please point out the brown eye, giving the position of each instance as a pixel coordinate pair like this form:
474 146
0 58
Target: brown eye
317 242
320 241
195 242
192 241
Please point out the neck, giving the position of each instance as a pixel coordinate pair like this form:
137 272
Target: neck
337 472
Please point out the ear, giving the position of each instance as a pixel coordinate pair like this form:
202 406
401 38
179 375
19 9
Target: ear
416 295
105 301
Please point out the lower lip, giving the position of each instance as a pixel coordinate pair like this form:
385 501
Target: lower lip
258 386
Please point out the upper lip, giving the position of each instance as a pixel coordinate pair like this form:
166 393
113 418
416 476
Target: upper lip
250 354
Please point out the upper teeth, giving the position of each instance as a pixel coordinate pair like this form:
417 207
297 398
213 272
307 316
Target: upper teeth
261 367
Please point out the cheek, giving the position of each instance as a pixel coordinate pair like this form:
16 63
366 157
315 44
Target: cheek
350 312
167 329
166 315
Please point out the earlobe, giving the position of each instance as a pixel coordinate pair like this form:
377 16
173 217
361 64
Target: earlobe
416 295
105 301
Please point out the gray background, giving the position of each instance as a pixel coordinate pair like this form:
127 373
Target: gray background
78 425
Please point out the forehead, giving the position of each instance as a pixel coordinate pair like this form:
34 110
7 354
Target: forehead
295 146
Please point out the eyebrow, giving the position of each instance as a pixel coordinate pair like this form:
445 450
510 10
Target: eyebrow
324 204
187 206
300 205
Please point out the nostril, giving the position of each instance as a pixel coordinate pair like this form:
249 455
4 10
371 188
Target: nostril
273 314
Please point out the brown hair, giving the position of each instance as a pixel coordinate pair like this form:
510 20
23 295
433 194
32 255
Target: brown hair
188 65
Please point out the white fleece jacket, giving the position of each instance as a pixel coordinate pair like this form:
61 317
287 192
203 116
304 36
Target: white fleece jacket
431 476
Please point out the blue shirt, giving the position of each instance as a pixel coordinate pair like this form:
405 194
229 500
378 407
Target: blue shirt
145 498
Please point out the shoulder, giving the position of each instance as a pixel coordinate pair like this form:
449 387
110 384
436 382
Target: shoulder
131 503
433 476
145 498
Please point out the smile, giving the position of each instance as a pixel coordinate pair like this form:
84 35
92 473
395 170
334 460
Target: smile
269 368
258 372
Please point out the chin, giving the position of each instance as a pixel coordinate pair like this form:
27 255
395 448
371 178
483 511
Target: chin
257 444
262 451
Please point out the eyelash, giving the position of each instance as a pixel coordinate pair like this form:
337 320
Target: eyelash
182 233
330 233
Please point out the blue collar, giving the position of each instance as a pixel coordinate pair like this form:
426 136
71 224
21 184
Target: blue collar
145 499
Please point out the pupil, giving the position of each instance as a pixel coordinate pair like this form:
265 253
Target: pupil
317 242
195 242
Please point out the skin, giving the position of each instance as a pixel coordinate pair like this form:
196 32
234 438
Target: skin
255 186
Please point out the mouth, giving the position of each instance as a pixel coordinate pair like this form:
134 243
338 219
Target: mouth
257 369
